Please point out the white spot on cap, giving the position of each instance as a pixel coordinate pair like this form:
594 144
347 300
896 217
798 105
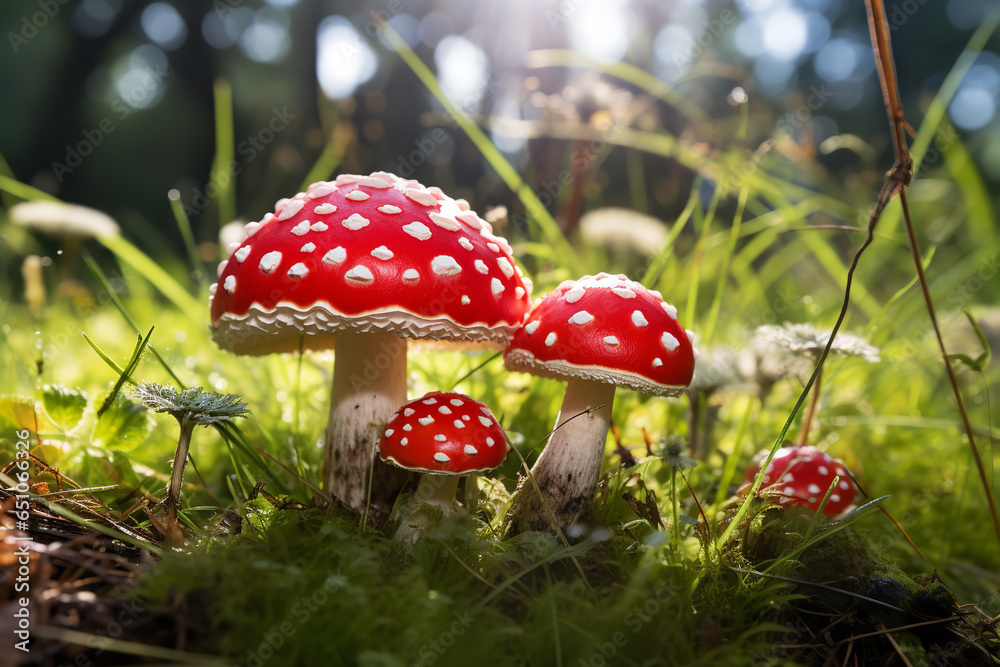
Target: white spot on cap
319 227
445 222
408 412
291 209
389 432
430 401
496 287
574 295
490 442
213 288
418 230
696 352
470 218
814 488
309 247
411 274
252 227
270 261
360 274
445 265
407 427
481 267
441 437
611 340
638 319
357 195
505 266
530 327
356 222
493 246
242 253
690 335
623 292
445 410
424 421
466 243
221 267
382 252
231 248
466 417
335 256
403 442
298 270
466 300
389 209
550 340
657 362
581 317
669 341
485 421
844 484
518 292
458 423
230 284
823 470
392 418
325 209
441 457
671 311
456 402
835 498
321 191
470 450
421 197
300 228
373 182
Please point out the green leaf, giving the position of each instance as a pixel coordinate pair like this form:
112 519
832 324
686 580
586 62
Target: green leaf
123 426
64 406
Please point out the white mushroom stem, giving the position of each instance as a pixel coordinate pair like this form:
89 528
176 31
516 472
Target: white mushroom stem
568 468
436 490
369 384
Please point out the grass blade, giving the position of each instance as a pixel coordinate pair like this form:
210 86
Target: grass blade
537 213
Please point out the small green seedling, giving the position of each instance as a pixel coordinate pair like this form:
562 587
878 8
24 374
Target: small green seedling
190 407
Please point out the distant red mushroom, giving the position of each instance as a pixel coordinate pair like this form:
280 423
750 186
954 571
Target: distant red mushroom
443 436
596 333
367 261
801 476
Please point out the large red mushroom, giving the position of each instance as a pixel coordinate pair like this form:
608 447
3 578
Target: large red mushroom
596 333
366 261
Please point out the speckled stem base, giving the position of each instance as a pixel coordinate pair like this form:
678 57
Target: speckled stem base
369 384
570 465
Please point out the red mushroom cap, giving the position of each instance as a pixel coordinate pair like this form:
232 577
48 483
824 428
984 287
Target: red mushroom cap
801 476
606 328
368 253
443 433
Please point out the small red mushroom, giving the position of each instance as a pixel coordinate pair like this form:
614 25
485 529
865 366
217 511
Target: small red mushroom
443 436
801 476
596 333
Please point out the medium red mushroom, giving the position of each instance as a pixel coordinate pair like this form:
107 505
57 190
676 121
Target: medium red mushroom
443 436
596 333
366 261
801 476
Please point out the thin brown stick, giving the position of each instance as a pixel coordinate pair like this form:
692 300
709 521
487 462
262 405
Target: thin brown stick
895 182
811 411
